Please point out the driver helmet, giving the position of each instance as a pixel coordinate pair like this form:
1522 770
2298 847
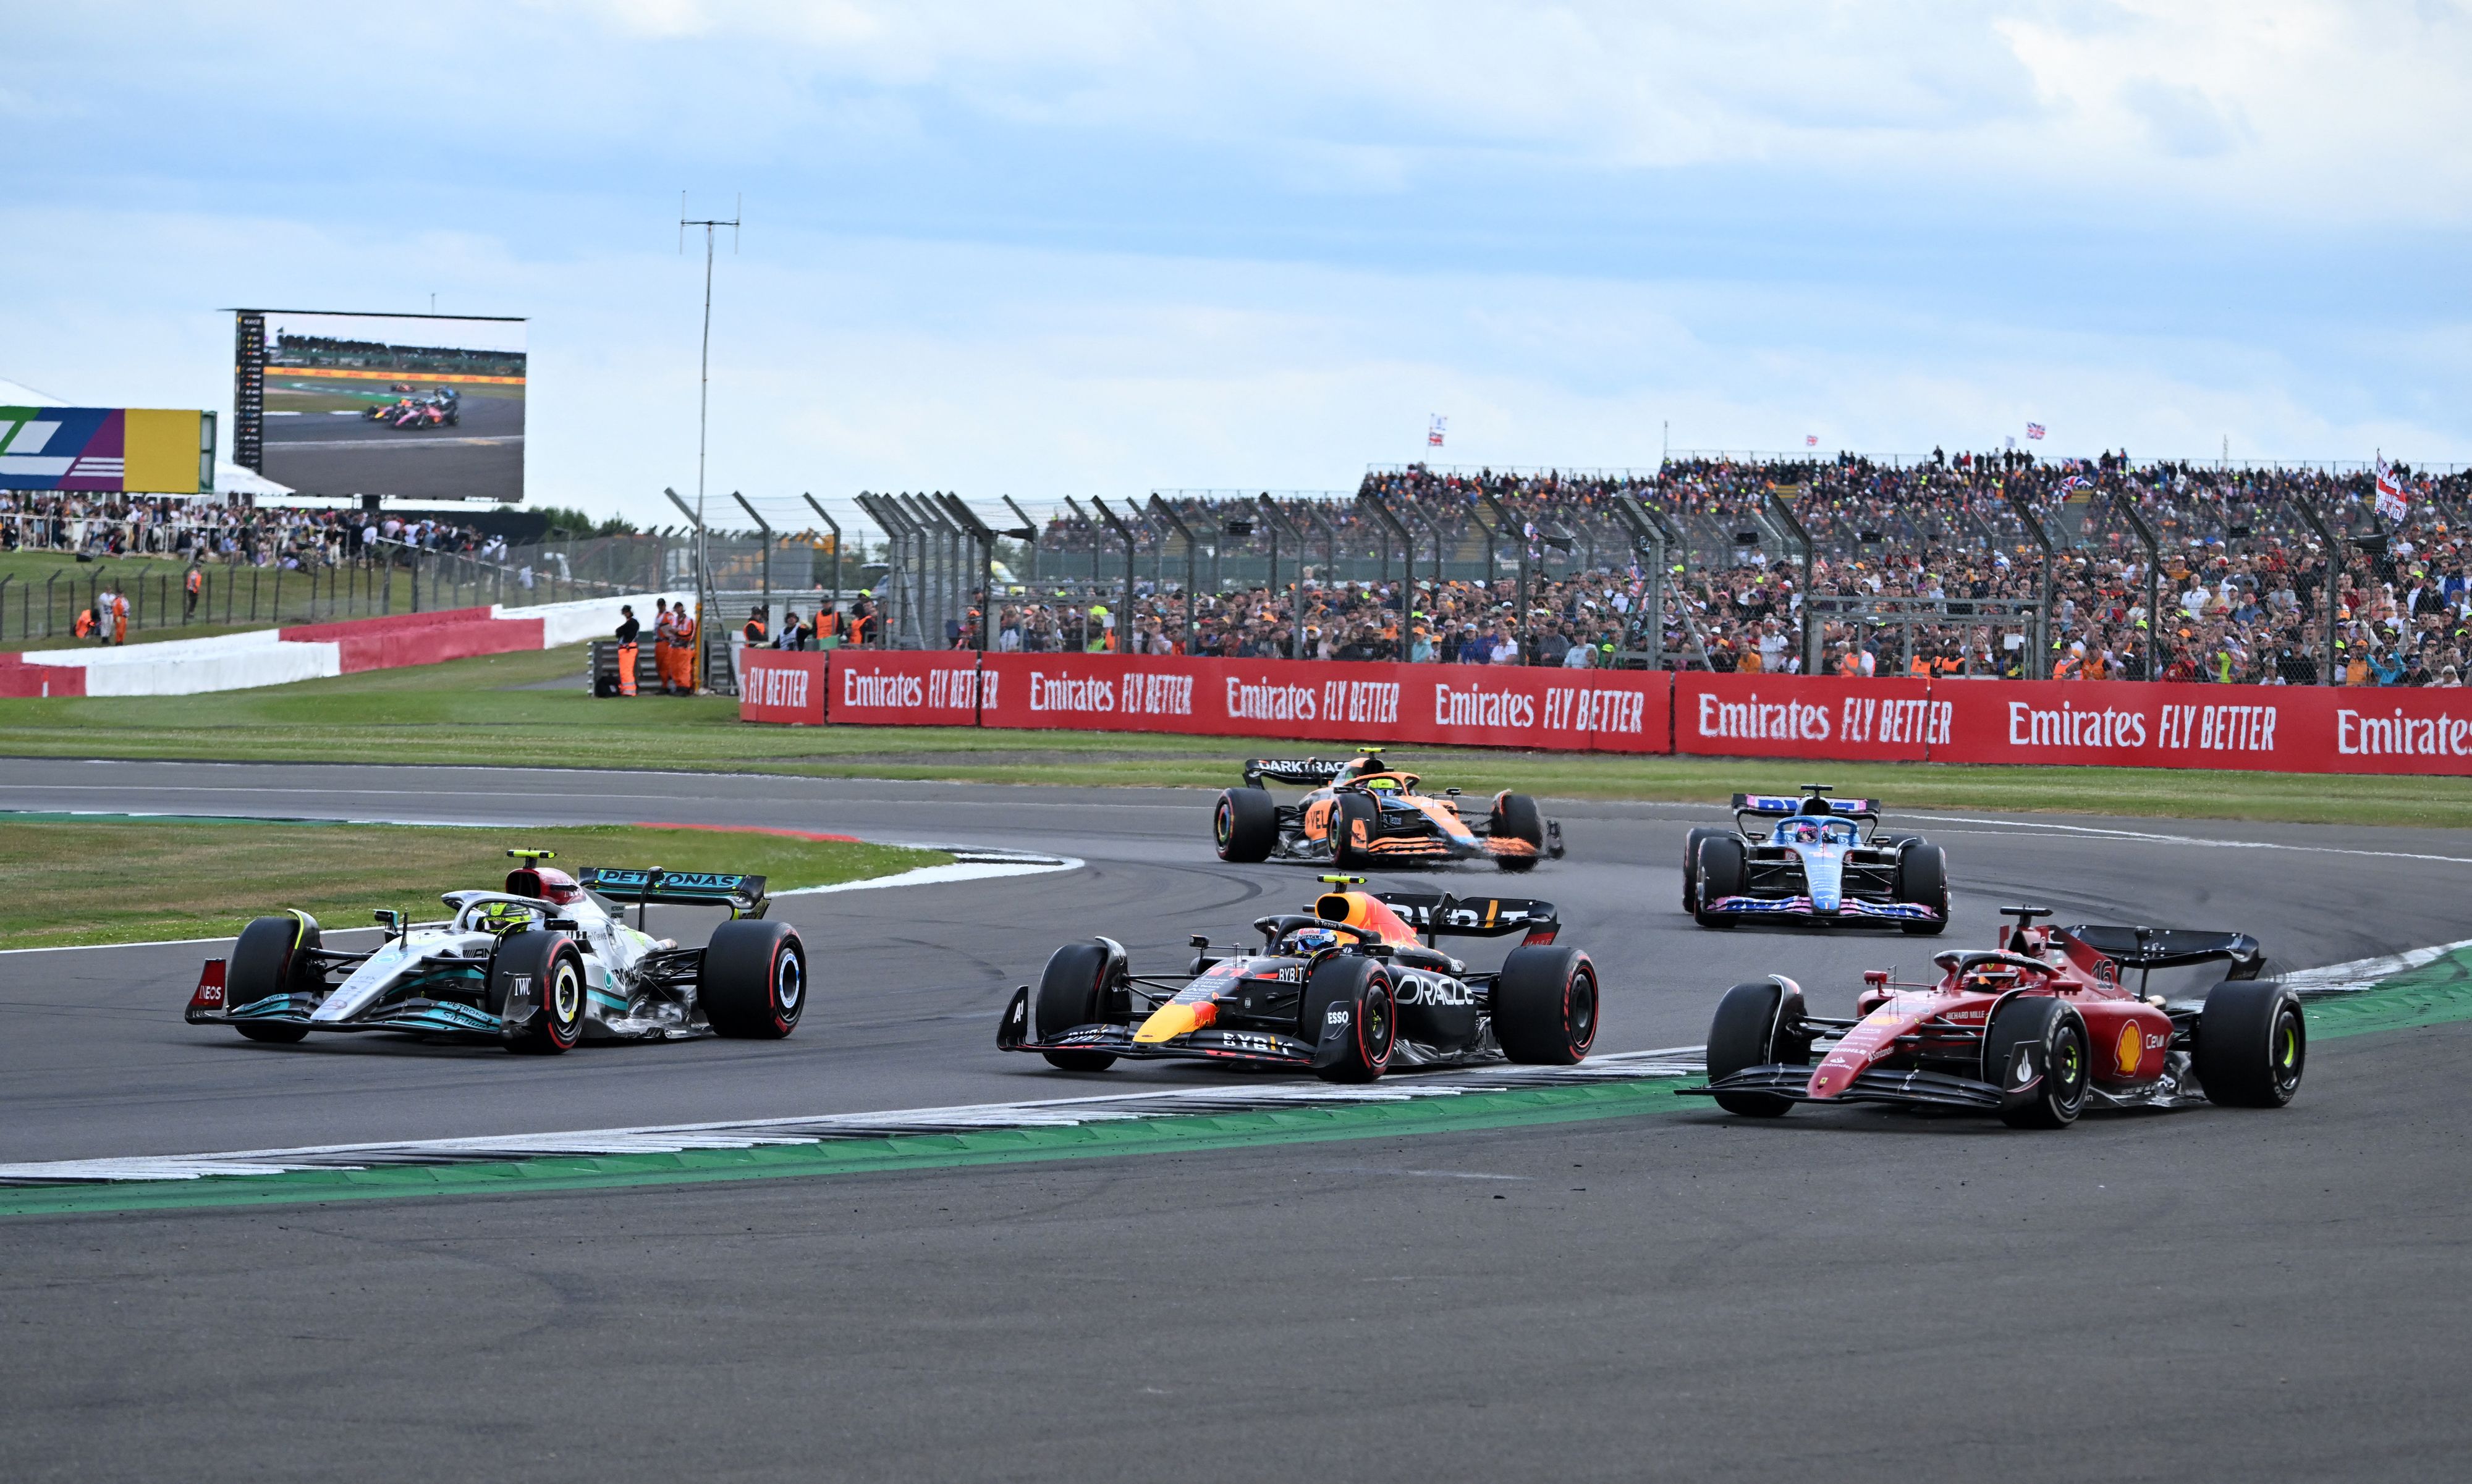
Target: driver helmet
1307 941
1382 784
502 916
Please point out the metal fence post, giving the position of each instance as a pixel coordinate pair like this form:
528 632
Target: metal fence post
2033 524
2316 520
2153 582
1278 521
1192 563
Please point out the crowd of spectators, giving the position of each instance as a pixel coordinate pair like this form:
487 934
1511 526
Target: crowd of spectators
216 531
1923 567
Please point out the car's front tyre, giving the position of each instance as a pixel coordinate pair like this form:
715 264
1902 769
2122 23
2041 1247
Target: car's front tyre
546 966
267 962
1362 988
1756 1025
2027 1030
1073 991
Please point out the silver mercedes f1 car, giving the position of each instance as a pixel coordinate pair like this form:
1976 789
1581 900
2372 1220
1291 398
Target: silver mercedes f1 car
538 966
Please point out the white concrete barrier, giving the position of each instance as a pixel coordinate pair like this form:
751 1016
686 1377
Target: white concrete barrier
193 667
592 618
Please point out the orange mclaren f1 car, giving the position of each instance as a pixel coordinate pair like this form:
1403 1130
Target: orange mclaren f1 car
1364 812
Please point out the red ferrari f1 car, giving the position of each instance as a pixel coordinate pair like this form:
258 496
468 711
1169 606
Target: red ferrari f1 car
2035 1031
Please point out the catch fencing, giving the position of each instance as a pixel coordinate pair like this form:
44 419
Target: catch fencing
2301 729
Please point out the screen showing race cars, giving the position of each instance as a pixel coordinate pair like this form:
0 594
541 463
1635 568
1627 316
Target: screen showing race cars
415 406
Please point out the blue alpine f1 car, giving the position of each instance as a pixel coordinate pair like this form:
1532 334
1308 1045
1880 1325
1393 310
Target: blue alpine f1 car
1812 861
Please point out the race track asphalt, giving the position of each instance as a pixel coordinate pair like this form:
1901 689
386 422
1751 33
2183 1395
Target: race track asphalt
2211 1294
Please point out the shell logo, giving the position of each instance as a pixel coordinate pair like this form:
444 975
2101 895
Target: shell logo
2132 1049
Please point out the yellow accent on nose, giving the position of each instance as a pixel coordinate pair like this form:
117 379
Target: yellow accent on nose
1170 1021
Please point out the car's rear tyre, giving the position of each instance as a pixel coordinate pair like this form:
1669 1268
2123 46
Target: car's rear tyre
1517 818
754 982
1363 988
1545 1006
1756 1025
2055 1098
1723 863
1352 814
552 970
267 962
1922 876
2252 1044
1245 824
1073 991
1691 864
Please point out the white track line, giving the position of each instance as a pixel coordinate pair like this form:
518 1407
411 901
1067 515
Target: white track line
673 1138
2004 826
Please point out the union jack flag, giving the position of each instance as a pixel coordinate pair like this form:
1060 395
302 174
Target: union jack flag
1811 440
2034 429
1433 433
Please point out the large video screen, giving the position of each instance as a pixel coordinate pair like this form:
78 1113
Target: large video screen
415 406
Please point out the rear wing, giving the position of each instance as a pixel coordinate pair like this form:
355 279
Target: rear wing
743 895
2172 948
1294 770
1785 804
1440 915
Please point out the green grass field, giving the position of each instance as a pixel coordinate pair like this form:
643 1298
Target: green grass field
484 711
69 880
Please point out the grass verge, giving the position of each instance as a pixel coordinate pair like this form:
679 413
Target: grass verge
66 881
492 712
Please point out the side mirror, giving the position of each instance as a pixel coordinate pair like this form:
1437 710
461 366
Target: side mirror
390 921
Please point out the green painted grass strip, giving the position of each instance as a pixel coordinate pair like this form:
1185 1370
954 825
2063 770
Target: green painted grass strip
2434 994
1168 1135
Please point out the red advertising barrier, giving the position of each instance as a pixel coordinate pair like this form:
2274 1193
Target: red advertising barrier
1888 719
1098 693
781 685
2301 729
905 688
418 638
2274 728
1613 711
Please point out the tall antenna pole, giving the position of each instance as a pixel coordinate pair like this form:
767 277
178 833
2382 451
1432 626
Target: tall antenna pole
704 397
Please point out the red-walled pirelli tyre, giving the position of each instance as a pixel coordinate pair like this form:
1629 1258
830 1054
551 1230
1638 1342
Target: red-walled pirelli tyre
546 966
1691 864
1073 991
754 983
1545 1006
2062 1054
266 962
2253 1045
1245 824
1756 1025
1362 987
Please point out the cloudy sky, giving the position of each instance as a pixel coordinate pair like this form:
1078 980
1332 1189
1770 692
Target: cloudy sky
1106 247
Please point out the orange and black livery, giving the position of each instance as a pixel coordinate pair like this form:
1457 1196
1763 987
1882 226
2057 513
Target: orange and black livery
1362 811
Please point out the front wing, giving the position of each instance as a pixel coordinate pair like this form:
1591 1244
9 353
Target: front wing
1900 1088
1801 908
